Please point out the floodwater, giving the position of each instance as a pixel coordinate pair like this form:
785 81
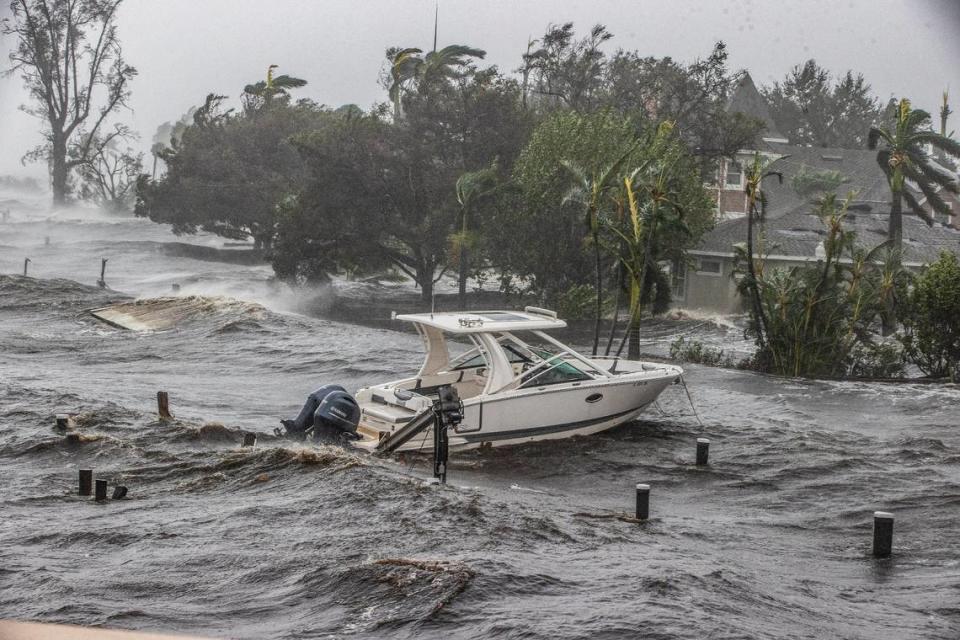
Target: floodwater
771 540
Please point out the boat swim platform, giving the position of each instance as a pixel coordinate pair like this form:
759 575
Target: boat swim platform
16 630
160 314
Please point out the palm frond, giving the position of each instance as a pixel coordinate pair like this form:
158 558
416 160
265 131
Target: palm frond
946 180
288 82
915 205
937 203
937 141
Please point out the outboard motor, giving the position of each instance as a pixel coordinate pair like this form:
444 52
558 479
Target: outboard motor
299 426
337 416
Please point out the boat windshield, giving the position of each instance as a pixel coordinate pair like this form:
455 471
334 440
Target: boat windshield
538 365
514 356
555 370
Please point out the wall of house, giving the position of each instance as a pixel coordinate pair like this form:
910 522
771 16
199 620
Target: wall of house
709 290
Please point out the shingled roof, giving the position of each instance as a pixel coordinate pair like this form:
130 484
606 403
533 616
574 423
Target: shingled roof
746 99
864 176
796 235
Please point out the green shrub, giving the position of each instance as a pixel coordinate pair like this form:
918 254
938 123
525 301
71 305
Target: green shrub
931 319
810 320
696 352
877 360
577 302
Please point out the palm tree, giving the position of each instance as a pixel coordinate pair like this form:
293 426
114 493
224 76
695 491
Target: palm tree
409 69
757 212
263 92
903 155
589 191
472 187
651 203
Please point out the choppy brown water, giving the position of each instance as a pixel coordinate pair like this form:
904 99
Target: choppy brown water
770 541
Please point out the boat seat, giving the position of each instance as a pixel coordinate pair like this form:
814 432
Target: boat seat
390 413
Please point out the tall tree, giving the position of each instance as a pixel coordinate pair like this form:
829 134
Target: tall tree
472 188
411 71
902 153
812 108
263 93
652 197
591 192
226 172
109 178
567 72
756 213
68 52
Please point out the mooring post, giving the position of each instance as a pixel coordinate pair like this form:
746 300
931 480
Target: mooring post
643 501
63 421
102 282
882 534
163 405
26 261
703 451
175 287
86 481
100 490
249 439
119 492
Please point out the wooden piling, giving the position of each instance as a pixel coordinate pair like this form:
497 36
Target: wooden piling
102 282
26 261
882 534
643 501
100 490
249 439
63 421
86 482
163 405
119 492
703 451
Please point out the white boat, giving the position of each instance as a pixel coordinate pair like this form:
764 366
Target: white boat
517 384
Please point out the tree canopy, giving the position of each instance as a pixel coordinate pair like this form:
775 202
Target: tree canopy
812 107
68 54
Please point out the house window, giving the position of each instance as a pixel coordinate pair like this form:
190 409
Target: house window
734 174
678 279
710 267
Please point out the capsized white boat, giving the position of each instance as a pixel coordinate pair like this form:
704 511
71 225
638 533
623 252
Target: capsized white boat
517 383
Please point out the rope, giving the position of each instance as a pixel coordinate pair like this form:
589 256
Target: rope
692 406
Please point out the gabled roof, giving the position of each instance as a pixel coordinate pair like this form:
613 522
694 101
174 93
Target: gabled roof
798 233
461 322
746 99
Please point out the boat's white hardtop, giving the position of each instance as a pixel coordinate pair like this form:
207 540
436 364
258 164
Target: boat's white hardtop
485 321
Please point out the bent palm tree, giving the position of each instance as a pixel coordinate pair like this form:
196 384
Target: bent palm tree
264 91
472 187
903 156
589 191
652 204
757 212
409 69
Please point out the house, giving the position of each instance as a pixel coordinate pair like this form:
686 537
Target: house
796 238
793 233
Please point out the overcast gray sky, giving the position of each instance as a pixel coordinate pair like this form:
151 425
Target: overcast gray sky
185 49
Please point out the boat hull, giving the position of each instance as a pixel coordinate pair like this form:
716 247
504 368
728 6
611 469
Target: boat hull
552 412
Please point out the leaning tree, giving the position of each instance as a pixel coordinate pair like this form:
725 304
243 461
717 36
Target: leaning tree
903 154
69 56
